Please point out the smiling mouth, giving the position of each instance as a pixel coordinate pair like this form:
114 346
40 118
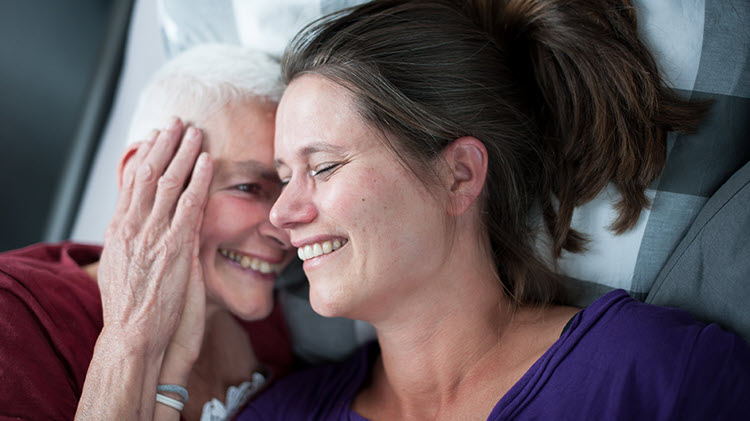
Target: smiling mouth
318 249
250 262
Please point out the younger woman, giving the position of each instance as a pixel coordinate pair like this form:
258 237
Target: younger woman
420 143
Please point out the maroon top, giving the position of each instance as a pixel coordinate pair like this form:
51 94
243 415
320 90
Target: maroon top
50 318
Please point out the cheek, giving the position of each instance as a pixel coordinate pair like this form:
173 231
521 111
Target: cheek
357 201
227 216
218 224
379 208
402 217
211 228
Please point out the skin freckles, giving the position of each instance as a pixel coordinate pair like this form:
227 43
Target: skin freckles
380 260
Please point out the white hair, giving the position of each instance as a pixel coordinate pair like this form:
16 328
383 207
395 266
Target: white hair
202 80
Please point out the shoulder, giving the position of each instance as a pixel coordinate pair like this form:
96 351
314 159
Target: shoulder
716 382
617 320
49 282
660 356
323 392
39 265
627 329
50 317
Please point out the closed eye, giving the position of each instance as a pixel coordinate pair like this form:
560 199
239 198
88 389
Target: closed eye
324 169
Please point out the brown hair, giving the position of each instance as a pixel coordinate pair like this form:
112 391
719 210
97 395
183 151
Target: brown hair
564 95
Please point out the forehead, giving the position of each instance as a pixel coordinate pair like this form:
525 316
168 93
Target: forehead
240 131
316 112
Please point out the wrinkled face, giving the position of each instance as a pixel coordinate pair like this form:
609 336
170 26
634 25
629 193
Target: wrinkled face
241 251
369 232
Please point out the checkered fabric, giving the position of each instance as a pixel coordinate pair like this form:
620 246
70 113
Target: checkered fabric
703 49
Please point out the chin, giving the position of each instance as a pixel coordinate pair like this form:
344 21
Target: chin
251 311
327 305
245 304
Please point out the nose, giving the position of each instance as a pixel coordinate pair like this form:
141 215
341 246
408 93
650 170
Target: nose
294 206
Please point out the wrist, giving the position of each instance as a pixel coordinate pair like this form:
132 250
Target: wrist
175 393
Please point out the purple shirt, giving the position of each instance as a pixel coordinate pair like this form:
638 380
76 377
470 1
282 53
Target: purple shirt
620 359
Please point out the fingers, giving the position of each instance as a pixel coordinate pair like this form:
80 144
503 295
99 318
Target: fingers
188 214
128 173
129 153
171 184
152 259
152 167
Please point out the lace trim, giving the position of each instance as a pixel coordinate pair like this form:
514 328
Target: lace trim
237 396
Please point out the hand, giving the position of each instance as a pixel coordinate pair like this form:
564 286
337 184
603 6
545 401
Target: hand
150 257
185 346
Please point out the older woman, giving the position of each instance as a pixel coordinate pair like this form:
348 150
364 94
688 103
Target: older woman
417 141
66 310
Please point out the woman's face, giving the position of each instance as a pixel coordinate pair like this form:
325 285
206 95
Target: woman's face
241 251
380 232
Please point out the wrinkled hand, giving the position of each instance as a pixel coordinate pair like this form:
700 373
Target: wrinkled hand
150 257
185 346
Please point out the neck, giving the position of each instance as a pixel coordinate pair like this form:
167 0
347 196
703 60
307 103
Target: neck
441 340
454 345
226 356
226 359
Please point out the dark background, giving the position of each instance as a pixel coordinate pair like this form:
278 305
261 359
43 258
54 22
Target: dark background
49 53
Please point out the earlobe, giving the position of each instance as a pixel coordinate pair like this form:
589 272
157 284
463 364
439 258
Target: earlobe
467 160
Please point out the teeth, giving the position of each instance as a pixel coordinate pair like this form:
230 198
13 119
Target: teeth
314 250
265 267
251 262
246 261
317 250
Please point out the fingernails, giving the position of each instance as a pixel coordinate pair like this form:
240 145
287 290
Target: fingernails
173 122
152 135
192 133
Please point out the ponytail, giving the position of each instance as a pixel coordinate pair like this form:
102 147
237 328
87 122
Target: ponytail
563 94
601 101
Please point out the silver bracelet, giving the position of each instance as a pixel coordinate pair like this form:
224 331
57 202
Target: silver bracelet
174 388
172 403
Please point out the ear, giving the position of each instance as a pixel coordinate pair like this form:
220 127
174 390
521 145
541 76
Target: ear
129 152
466 158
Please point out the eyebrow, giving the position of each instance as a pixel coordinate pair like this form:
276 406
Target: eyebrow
317 147
249 166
